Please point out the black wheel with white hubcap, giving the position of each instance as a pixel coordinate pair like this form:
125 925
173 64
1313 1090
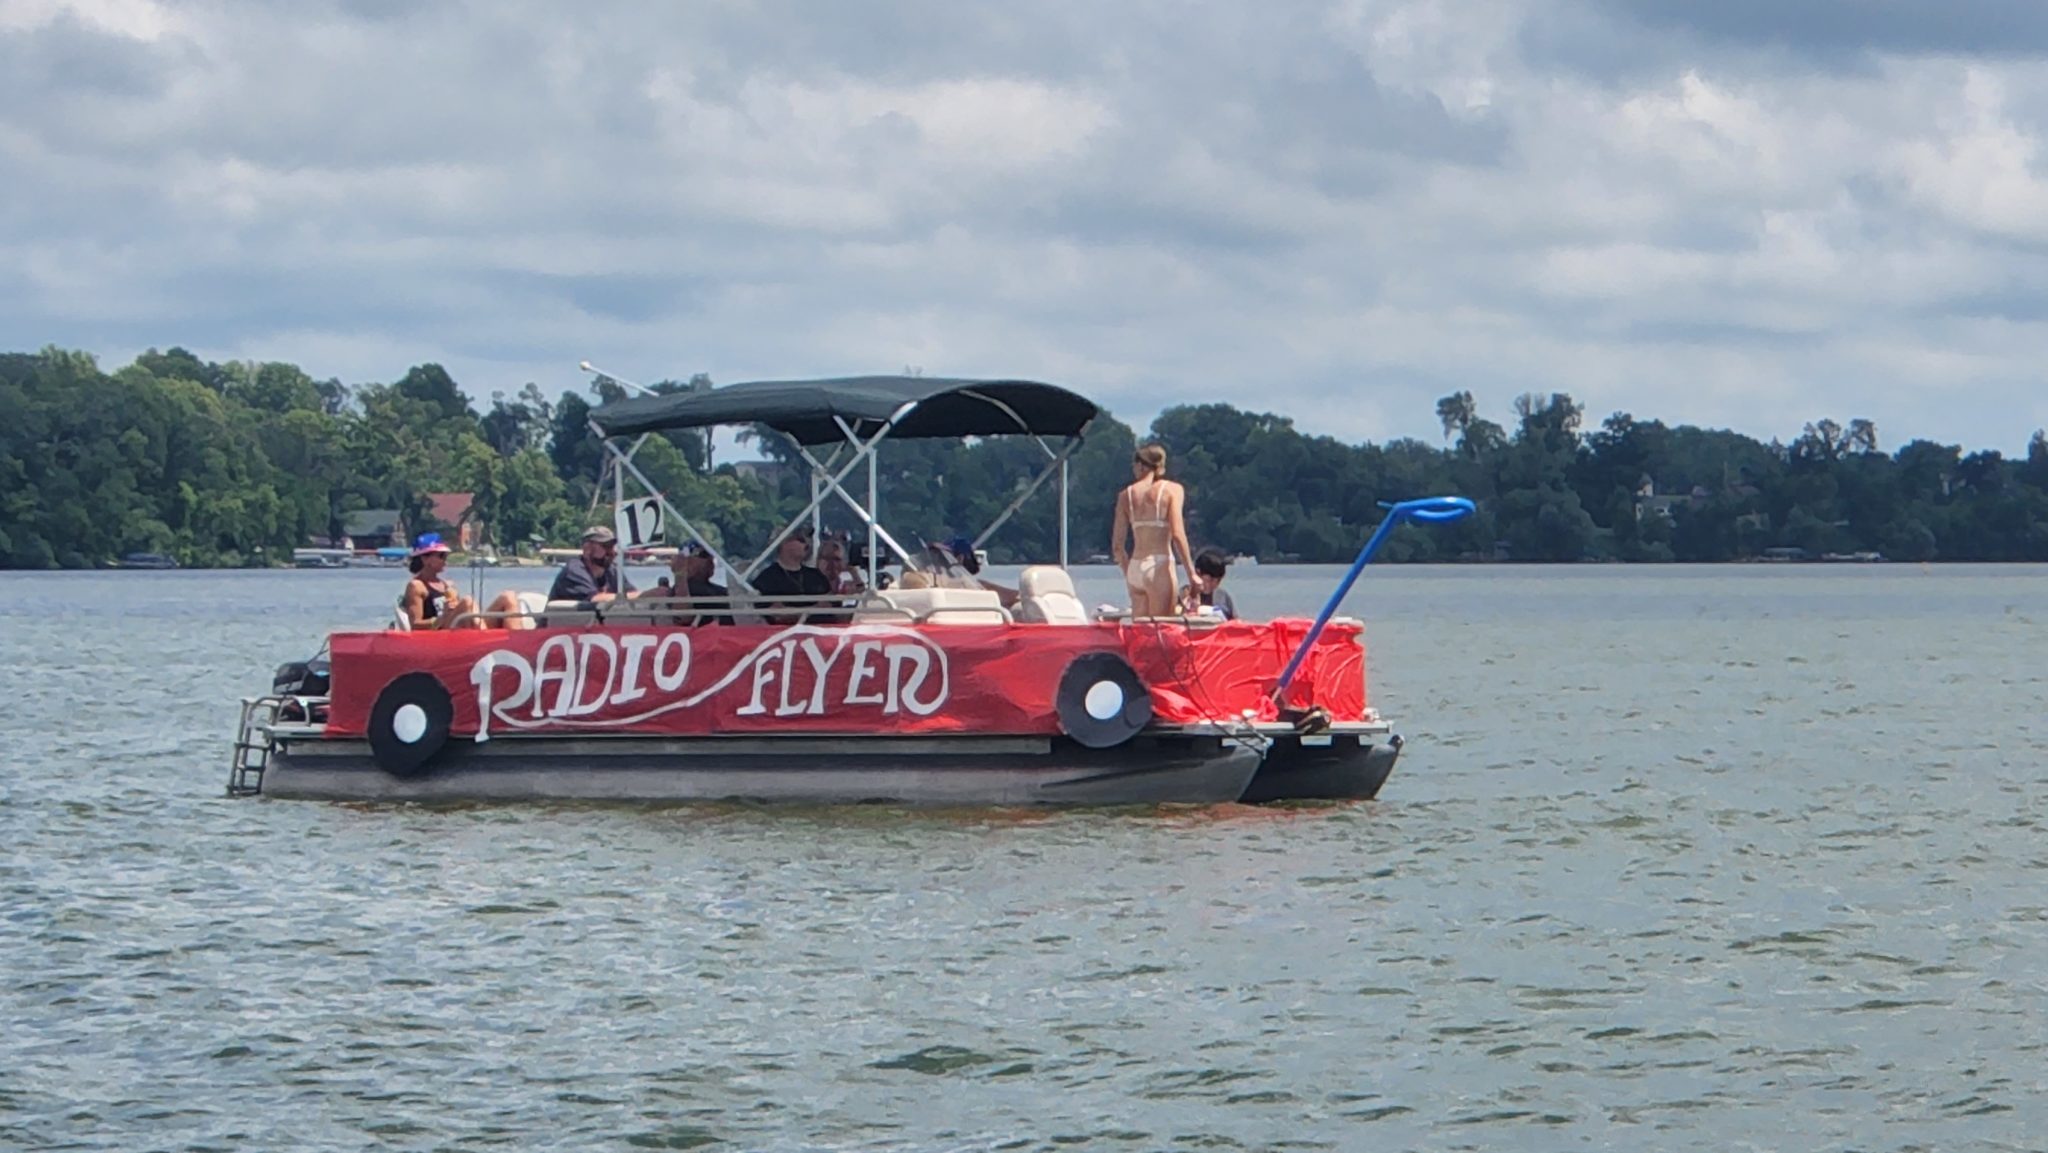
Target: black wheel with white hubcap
409 723
1101 701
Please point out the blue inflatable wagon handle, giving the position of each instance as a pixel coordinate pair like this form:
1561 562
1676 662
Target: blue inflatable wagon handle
1422 510
1431 509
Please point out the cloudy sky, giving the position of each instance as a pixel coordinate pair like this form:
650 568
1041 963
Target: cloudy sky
1737 213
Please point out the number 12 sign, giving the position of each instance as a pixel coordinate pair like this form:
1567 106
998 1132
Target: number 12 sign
639 522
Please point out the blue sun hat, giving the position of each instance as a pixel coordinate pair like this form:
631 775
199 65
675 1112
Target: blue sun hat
428 542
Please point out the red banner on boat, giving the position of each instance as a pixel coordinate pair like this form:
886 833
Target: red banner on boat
863 678
1225 670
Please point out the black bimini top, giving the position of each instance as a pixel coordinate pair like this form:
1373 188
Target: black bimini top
805 408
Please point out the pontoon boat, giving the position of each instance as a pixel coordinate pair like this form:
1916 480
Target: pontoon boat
936 695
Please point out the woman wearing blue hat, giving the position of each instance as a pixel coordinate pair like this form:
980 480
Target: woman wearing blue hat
431 601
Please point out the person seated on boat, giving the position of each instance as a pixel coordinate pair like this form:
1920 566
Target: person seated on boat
946 568
595 576
431 602
857 563
1205 591
955 566
832 563
689 578
788 576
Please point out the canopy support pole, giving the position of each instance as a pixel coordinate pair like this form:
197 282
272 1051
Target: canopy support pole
598 489
874 529
867 515
874 514
832 478
624 461
1063 514
818 500
1058 465
817 513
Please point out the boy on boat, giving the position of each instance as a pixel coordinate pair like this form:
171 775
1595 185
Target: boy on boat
1205 588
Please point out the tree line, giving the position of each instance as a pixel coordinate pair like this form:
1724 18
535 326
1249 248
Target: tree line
240 462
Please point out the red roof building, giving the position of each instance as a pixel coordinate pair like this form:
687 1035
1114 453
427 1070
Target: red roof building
455 510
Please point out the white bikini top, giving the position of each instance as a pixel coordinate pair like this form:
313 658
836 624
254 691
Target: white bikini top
1158 517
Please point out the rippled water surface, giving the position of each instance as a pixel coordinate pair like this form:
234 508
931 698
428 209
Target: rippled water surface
1731 858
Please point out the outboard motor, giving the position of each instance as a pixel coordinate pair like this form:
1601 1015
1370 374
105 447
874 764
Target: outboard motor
306 678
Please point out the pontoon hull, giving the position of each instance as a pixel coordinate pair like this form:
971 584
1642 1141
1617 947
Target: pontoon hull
812 770
1352 766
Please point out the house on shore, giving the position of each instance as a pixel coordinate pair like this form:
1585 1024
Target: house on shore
456 512
374 528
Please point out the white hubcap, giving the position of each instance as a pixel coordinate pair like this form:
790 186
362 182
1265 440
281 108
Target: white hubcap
1105 699
409 723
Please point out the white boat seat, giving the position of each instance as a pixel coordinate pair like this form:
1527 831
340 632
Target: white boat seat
938 606
876 607
1045 595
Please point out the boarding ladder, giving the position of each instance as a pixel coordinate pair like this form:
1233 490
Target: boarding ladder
252 745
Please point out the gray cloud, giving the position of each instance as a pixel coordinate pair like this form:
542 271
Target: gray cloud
1843 28
1721 214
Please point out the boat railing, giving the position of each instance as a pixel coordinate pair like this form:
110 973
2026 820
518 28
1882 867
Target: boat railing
910 606
865 606
671 610
813 609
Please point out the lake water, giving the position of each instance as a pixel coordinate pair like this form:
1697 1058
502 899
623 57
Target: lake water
1677 858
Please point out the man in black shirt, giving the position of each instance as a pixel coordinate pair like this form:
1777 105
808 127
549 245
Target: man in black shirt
788 575
594 577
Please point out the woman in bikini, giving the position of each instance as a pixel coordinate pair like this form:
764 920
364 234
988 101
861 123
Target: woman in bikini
430 600
1149 511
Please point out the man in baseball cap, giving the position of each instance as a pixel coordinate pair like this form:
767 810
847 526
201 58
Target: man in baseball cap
689 576
595 576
